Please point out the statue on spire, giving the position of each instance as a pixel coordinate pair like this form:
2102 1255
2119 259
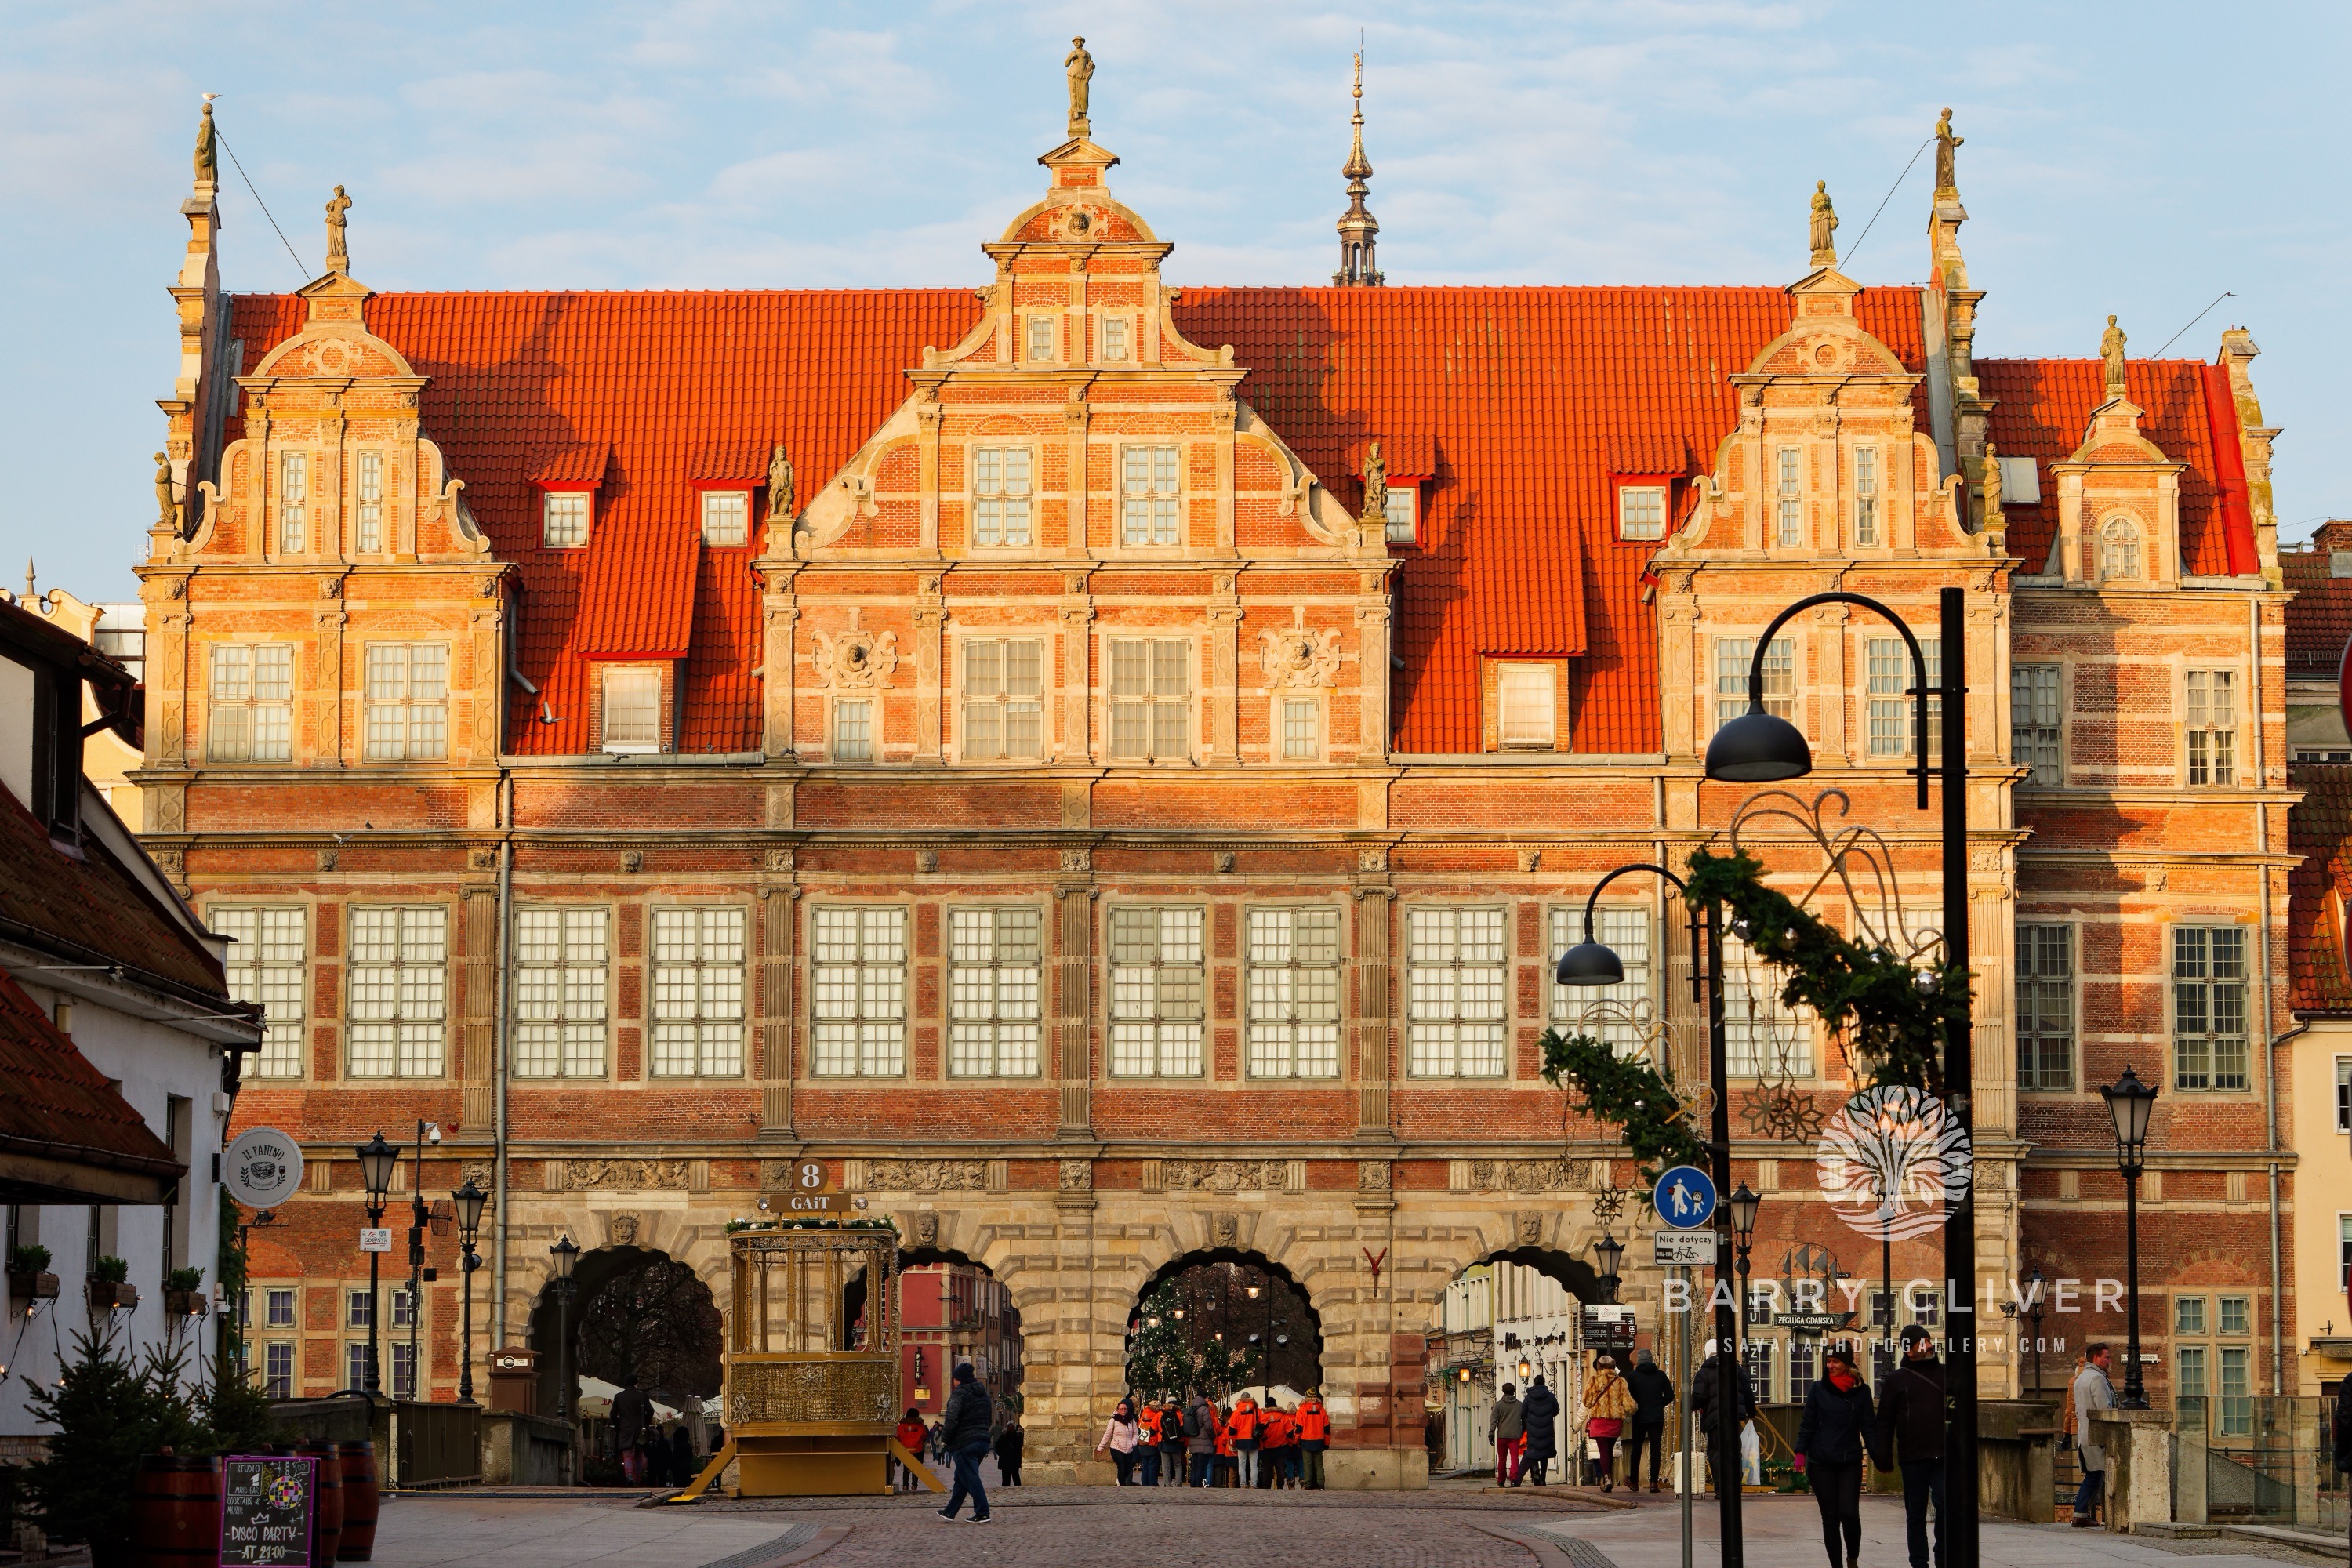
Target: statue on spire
1376 489
1358 229
167 496
339 256
1946 182
779 485
1079 66
1824 226
208 147
2111 349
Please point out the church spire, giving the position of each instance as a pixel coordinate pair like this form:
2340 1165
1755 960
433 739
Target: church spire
1358 229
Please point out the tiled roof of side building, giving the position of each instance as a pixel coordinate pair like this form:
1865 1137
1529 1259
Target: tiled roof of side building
2319 616
2319 830
57 1104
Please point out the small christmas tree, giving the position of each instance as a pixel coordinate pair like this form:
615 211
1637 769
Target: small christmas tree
106 1414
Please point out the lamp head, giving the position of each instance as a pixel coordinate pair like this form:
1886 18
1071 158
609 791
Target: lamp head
566 1252
377 1159
2034 1287
1611 1252
470 1201
1589 963
1743 1205
1758 748
2131 1102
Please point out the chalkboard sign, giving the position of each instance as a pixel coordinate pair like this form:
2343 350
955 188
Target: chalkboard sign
267 1511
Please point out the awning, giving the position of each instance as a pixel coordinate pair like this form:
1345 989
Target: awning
67 1135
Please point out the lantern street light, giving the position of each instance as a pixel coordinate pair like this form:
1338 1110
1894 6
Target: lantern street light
2037 1289
566 1252
1742 1205
1611 1252
377 1159
2130 1101
469 1200
1527 1369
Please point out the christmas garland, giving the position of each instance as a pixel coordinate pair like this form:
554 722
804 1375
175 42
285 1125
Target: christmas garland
1629 1091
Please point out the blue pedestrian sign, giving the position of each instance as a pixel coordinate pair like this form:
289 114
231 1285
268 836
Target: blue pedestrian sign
1685 1197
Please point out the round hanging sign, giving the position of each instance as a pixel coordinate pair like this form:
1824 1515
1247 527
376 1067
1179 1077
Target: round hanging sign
262 1168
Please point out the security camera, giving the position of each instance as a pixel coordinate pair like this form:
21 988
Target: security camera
433 1133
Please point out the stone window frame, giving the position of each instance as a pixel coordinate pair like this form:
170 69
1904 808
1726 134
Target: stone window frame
1341 965
291 498
1566 1006
904 1019
1319 748
565 964
1402 514
586 496
746 994
215 912
2232 733
1160 1018
278 1382
1869 496
412 709
1030 322
996 1022
1179 499
1885 663
1729 684
2247 979
1502 968
1626 489
1545 671
250 704
741 496
1788 514
399 967
1002 492
868 700
2062 674
1189 641
2073 990
1127 322
2107 537
605 686
963 638
368 469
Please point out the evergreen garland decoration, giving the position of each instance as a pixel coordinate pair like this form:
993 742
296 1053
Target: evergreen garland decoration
1628 1091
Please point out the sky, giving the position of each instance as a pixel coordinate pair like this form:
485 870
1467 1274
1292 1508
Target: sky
2141 160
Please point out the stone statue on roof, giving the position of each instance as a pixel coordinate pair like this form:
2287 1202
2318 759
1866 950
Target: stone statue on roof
779 485
167 495
208 147
2111 349
1079 66
1991 485
1376 488
1946 181
1824 226
339 256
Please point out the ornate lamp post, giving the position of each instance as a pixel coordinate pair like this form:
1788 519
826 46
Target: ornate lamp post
1609 1252
418 1218
2036 1288
469 1200
2130 1101
566 1253
377 1159
1741 1207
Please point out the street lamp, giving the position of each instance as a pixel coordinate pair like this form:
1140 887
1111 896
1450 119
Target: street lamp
2036 1287
1759 747
377 1159
469 1200
1610 1251
2130 1101
566 1253
1742 1205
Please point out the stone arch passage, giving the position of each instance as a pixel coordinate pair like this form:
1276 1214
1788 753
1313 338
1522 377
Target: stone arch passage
1246 1297
633 1310
1511 1305
952 1307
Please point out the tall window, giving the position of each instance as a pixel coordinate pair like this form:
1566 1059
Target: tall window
2119 550
1892 711
1526 703
1149 708
1301 718
558 1010
251 702
1147 495
992 984
403 1307
360 1313
2033 721
1865 494
2213 726
1115 334
356 1364
1605 1012
1401 511
852 730
1155 991
725 518
278 1370
698 990
399 977
1040 338
279 1307
293 502
1732 657
2208 1007
1456 973
859 987
370 519
1763 1037
1003 698
2193 1363
563 520
632 708
1790 509
1294 992
408 701
1000 495
266 965
2045 1006
1641 512
2344 1094
403 1369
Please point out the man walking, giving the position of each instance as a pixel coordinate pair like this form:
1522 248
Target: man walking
964 1434
1910 1428
1652 1391
1539 1417
633 1413
1171 1441
1242 1424
1508 1427
1721 1390
1315 1436
2092 1392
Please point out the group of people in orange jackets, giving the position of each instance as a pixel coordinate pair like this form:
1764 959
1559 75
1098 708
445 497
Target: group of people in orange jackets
1242 1444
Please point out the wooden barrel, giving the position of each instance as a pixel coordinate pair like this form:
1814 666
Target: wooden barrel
175 1512
361 1502
330 1496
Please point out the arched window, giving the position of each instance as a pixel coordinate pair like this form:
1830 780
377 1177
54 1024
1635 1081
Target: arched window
2119 550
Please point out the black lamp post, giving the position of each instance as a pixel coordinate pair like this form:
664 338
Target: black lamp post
2130 1101
1759 747
2036 1288
469 1200
1611 1252
1741 1207
566 1253
377 1159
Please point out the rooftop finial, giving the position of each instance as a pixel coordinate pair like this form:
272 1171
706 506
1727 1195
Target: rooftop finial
32 596
2111 349
1824 226
339 256
1358 229
1946 182
1079 66
207 146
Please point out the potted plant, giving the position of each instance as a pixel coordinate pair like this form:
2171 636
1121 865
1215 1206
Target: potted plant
110 1286
184 1293
30 1278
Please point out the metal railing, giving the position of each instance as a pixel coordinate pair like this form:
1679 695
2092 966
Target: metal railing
435 1444
2256 1459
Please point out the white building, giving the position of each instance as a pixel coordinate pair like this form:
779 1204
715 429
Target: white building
1495 1318
119 1043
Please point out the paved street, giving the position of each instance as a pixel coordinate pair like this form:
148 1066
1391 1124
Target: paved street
1072 1527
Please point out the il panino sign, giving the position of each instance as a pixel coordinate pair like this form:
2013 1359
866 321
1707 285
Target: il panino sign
262 1168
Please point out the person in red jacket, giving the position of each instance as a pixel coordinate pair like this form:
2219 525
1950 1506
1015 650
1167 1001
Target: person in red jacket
1314 1437
1225 1461
1147 1450
912 1435
1279 1449
1246 1427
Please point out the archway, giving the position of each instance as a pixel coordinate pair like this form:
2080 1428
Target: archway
1222 1320
1511 1317
633 1312
951 1309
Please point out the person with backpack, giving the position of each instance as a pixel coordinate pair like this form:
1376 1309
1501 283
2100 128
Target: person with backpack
963 1433
1831 1438
914 1435
1506 1428
1201 1430
1314 1437
1171 1442
1910 1429
1278 1447
1147 1448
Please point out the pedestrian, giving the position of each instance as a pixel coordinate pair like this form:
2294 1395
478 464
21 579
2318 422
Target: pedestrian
1121 1435
963 1433
1277 1444
2092 1392
682 1466
1608 1402
1201 1427
1540 1411
1244 1425
633 1413
1831 1437
1652 1391
1228 1465
1507 1427
914 1437
1171 1442
1910 1430
1314 1437
1147 1447
1011 1439
1721 1388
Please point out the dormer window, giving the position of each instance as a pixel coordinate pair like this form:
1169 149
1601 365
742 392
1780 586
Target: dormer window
1641 512
2119 550
1526 705
632 708
1039 349
1115 334
563 519
725 518
1403 512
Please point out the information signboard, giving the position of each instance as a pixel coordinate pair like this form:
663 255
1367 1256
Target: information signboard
1608 1328
267 1511
1684 1248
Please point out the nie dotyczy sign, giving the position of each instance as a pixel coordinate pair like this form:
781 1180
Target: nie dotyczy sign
266 1511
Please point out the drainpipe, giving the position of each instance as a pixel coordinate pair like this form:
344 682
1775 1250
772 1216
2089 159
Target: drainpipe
2269 1054
498 1046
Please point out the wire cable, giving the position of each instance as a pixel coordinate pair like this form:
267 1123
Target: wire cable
264 205
2225 294
1888 197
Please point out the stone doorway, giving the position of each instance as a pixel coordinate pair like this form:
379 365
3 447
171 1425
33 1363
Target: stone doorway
634 1310
1507 1320
1221 1320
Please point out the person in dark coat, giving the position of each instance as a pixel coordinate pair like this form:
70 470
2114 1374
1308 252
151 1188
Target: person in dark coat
683 1467
633 1417
964 1435
1910 1429
1652 1391
1010 1440
1540 1411
1831 1438
1721 1387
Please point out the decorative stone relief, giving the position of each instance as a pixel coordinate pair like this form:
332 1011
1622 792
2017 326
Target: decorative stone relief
858 657
1373 1177
623 1175
1527 1175
482 860
170 813
1225 1175
327 857
923 1228
1224 860
780 859
1078 1175
1531 858
1372 860
1224 1230
1297 657
922 1175
1528 1229
927 860
622 1229
479 1173
633 860
1077 859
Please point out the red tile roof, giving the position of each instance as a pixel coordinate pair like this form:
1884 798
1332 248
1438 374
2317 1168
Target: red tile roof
2043 410
58 1106
2319 616
2319 830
